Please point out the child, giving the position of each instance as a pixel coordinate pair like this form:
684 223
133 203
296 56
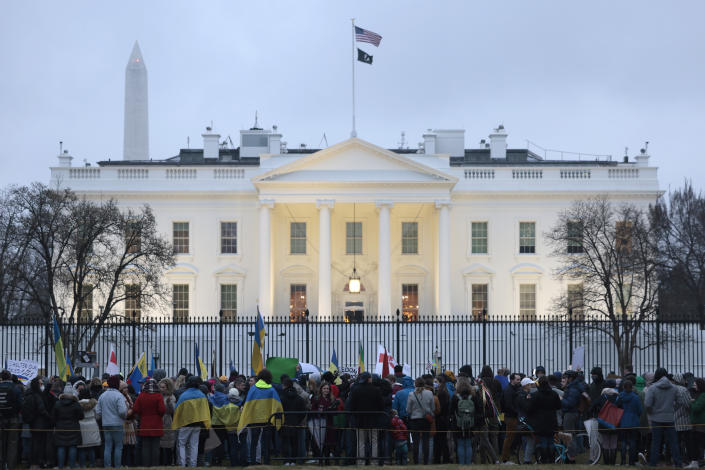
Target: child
401 439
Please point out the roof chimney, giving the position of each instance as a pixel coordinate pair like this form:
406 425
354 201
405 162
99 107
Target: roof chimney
498 144
211 144
65 158
643 158
429 143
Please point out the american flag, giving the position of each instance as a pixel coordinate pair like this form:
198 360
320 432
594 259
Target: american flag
364 35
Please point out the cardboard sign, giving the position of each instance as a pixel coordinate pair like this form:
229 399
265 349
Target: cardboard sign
25 370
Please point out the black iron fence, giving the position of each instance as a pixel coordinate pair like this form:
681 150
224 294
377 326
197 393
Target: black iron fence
452 342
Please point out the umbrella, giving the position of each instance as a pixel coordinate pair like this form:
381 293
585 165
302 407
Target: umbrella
307 368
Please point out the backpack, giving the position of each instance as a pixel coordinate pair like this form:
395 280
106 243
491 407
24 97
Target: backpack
465 416
8 400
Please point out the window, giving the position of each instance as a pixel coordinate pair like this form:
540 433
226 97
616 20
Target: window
228 238
527 301
85 304
228 302
479 238
575 301
527 237
297 302
133 240
133 302
298 238
410 302
623 237
181 238
479 301
180 302
353 238
354 311
410 238
575 237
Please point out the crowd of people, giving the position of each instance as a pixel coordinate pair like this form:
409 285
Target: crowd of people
509 418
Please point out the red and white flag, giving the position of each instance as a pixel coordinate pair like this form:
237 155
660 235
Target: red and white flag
112 367
380 366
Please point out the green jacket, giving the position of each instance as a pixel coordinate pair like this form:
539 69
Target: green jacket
697 410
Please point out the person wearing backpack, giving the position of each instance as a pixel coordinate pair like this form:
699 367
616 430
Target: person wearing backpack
463 411
36 415
10 406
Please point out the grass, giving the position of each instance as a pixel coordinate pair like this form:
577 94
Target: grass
412 467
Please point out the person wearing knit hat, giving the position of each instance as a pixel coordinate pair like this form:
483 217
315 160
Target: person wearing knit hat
66 416
112 410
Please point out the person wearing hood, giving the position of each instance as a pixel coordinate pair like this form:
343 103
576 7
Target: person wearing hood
112 410
629 401
150 408
366 399
262 402
608 437
168 439
490 392
594 390
66 415
90 432
574 389
293 431
35 414
660 402
225 415
401 397
697 418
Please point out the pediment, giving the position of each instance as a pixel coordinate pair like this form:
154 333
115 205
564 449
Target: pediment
355 161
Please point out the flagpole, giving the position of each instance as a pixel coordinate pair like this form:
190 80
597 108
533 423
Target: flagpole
354 132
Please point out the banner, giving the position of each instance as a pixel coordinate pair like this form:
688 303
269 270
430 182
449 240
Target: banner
578 358
380 361
282 365
25 370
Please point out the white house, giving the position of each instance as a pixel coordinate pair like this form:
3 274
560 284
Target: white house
439 230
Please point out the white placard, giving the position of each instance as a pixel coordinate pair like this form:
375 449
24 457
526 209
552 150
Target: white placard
579 358
25 370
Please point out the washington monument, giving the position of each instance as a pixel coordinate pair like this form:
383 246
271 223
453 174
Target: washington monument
136 142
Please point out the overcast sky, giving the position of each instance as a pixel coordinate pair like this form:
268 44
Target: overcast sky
595 78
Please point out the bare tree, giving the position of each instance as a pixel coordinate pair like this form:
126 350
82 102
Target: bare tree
609 254
82 252
680 228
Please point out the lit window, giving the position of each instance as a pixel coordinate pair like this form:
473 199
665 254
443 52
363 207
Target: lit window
479 238
228 238
527 237
479 301
410 238
410 302
298 238
297 302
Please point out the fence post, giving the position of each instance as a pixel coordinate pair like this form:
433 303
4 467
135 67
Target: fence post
134 337
658 339
220 342
570 336
398 339
46 348
308 338
484 336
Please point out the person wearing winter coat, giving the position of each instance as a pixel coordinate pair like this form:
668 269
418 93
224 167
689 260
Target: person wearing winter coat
168 439
574 389
608 437
697 419
511 417
660 402
464 391
150 408
90 433
36 415
401 397
112 411
367 399
541 407
441 453
66 415
293 431
629 401
400 435
326 401
418 406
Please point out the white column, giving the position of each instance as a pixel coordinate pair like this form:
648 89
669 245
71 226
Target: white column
444 307
265 259
384 285
324 288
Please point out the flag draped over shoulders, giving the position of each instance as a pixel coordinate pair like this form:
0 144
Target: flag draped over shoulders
262 402
191 408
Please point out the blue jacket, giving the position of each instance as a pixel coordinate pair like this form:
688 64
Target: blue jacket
571 396
631 405
218 399
402 396
451 388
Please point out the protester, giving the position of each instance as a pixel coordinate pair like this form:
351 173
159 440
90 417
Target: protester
419 408
129 441
112 411
90 432
67 430
630 402
150 409
511 416
190 416
542 417
570 403
697 418
293 431
660 402
35 414
262 402
10 406
168 438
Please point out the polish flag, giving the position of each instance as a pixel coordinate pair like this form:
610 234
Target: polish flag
112 367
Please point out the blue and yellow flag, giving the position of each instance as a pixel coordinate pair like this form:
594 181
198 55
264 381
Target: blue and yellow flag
257 347
201 368
61 366
333 367
262 402
360 358
192 407
139 371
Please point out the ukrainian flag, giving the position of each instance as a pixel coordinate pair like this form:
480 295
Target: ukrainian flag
61 366
360 358
258 345
333 366
139 371
262 402
200 366
191 408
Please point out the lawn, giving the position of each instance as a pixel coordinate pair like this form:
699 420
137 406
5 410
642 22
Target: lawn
414 467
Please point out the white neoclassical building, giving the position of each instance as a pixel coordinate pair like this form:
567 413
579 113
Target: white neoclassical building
438 230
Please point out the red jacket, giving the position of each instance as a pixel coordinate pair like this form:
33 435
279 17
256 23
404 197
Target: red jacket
400 433
150 407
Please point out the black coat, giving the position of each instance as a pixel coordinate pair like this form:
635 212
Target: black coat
509 401
34 411
542 407
365 397
66 414
292 401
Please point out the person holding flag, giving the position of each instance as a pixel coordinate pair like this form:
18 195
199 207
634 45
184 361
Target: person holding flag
138 373
261 403
190 416
200 366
